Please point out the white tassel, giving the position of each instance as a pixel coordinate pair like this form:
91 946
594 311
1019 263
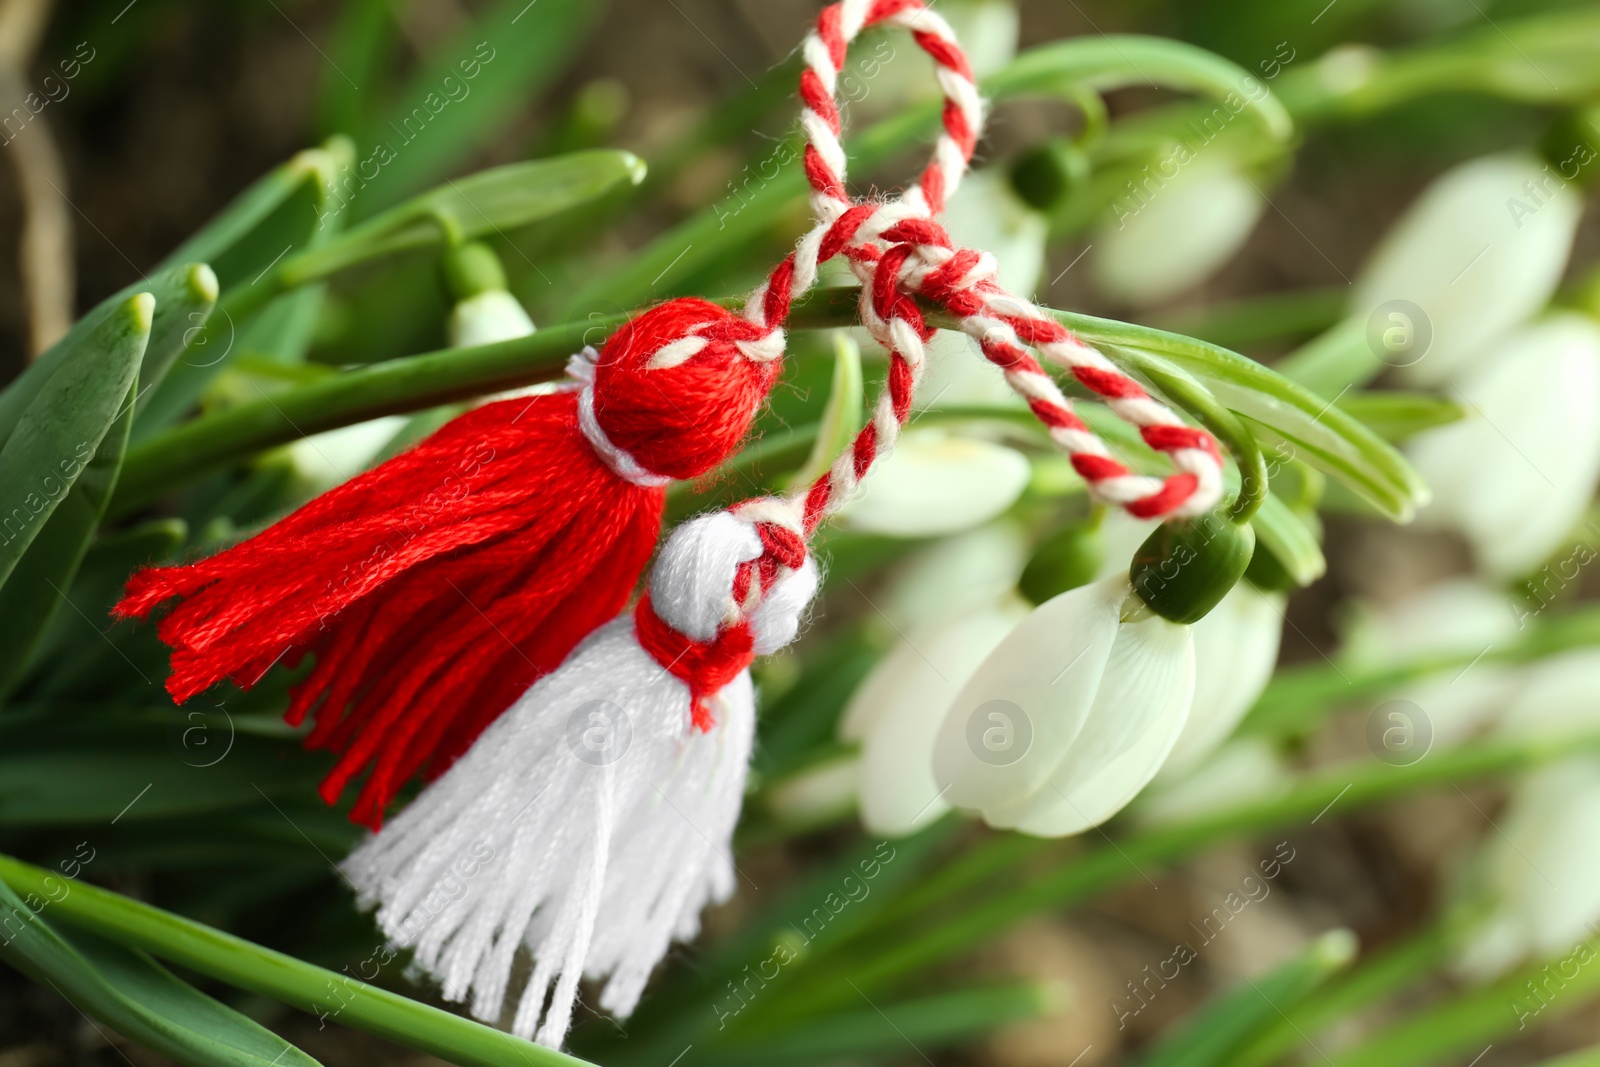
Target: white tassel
592 822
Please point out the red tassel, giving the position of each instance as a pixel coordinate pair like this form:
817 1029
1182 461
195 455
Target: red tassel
436 588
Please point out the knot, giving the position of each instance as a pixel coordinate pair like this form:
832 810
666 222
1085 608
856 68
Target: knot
726 587
704 666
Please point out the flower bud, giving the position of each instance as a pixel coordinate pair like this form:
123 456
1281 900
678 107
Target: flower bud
1045 175
1185 568
1160 244
485 312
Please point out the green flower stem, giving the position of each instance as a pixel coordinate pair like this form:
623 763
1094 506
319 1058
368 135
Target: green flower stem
1297 697
1463 1025
272 974
1194 398
1386 974
1589 1057
213 442
1255 319
935 935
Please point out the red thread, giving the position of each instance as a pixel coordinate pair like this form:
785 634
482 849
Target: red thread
434 589
704 667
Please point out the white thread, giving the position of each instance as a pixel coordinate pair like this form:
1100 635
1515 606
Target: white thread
535 833
620 461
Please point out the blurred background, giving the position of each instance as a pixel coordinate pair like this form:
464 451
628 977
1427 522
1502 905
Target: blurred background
134 123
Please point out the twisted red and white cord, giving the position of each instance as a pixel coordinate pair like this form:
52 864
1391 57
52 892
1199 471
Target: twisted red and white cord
898 253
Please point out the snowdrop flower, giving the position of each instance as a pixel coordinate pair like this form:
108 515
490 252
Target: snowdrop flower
895 713
485 312
1182 234
953 576
1541 871
327 459
1462 618
486 318
1235 650
1078 707
937 483
1480 251
1516 474
1070 716
955 602
1240 772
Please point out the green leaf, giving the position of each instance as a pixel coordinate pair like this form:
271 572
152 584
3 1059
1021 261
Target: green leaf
1543 59
841 416
1383 974
214 441
182 314
243 237
1292 543
1115 61
468 89
30 599
1463 1024
488 202
190 761
948 926
901 1030
125 989
358 48
336 997
289 211
1395 416
63 649
1297 695
184 295
1214 1033
62 427
1316 430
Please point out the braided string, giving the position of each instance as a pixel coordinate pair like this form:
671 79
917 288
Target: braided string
899 253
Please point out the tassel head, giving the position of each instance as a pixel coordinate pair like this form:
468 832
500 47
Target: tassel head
677 386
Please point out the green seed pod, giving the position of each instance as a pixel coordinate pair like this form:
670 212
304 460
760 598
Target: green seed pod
472 268
1045 175
1065 560
1186 567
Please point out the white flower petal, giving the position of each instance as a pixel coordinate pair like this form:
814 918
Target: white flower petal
896 714
936 483
1462 615
326 459
966 572
1479 253
491 316
1120 537
816 794
1242 771
1458 703
1543 870
1558 696
1235 649
1183 232
1033 693
1138 713
1515 475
